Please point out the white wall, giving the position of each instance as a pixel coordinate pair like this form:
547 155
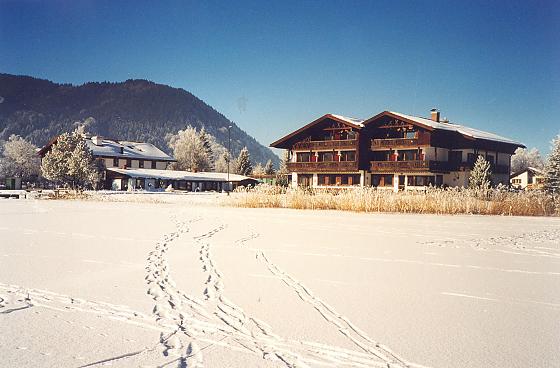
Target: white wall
456 179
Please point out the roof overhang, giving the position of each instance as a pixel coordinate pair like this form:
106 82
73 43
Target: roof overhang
280 143
402 118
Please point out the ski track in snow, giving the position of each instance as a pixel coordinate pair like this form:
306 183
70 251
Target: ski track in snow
189 322
189 325
342 323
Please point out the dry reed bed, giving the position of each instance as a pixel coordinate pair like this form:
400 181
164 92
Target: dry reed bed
433 200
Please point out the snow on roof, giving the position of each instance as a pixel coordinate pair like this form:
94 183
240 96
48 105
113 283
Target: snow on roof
539 171
466 131
350 120
178 175
133 150
533 170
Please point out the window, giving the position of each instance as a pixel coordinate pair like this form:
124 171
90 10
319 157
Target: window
490 158
471 158
141 164
382 180
348 156
339 180
115 162
128 162
303 157
381 155
423 180
154 164
326 156
456 157
408 155
304 180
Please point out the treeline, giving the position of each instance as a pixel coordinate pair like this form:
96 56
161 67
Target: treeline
136 110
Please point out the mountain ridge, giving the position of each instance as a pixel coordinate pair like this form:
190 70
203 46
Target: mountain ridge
136 109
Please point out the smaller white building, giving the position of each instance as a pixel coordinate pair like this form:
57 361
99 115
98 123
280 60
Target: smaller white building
157 180
530 178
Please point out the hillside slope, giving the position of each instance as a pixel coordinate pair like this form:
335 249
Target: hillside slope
134 110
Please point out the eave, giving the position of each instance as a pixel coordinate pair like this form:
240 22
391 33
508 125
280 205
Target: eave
282 140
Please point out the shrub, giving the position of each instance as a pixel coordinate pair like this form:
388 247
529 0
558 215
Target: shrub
498 201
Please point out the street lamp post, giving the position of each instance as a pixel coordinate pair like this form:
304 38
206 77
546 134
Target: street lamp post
229 157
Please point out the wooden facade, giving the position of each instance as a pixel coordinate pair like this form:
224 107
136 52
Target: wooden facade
391 150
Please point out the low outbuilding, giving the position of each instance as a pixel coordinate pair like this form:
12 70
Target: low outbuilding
155 180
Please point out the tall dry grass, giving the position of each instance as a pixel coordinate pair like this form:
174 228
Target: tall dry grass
433 200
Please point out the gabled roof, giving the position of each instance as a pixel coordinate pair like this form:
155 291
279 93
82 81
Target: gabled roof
353 122
469 133
132 150
120 149
532 170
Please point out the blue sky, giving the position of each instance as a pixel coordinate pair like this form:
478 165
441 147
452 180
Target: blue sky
274 66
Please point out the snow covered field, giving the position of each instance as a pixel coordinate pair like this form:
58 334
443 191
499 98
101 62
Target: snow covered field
188 283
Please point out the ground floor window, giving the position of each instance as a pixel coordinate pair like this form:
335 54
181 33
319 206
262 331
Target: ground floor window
338 179
424 180
304 180
382 180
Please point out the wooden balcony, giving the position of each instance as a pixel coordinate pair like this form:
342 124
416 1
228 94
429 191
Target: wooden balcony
334 144
433 166
402 166
422 140
313 167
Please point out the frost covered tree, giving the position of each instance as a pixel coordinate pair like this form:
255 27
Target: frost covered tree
269 168
207 141
552 169
258 170
282 173
523 158
19 159
70 161
481 174
243 164
189 151
221 164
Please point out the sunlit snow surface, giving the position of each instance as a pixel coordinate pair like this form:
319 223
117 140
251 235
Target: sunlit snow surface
179 281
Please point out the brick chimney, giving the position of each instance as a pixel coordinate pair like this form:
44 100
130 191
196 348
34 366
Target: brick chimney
434 114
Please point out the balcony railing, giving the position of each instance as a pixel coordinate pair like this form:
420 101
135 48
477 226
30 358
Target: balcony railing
343 166
334 144
428 165
422 140
417 165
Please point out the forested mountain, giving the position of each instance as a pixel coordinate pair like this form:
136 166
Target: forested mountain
137 110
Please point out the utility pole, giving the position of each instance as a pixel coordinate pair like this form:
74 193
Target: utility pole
229 157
